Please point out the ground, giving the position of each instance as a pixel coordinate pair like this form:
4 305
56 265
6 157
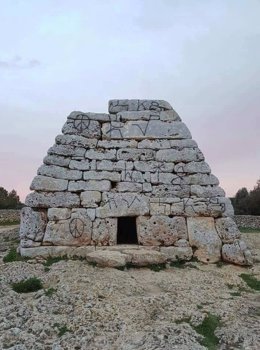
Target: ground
86 307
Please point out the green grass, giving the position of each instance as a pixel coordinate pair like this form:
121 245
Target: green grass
50 260
249 230
50 291
207 330
251 281
178 263
62 329
9 223
27 286
12 255
157 267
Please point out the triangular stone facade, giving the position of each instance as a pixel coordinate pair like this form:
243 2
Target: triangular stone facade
139 161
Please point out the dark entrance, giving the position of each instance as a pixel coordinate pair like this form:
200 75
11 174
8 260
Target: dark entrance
126 230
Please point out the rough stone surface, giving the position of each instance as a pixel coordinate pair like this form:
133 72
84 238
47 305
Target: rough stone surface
107 258
90 199
227 230
105 232
144 257
204 238
115 106
48 184
52 200
237 253
33 224
177 253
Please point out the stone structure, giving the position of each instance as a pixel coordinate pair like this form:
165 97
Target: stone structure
9 216
133 176
248 221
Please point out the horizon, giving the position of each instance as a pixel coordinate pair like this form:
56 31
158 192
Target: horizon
203 58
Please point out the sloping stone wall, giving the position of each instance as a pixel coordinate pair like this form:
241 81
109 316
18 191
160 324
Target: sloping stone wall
9 215
250 221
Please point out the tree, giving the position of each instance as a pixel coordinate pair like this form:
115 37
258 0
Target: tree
9 200
247 203
254 199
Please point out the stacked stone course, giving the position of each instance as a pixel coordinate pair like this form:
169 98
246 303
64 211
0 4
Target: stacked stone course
139 160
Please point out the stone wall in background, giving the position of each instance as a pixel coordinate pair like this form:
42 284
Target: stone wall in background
9 215
251 221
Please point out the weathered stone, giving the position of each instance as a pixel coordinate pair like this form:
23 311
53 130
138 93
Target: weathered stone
33 224
106 258
48 184
207 191
56 160
115 106
102 175
169 115
158 208
139 130
28 243
55 214
54 251
164 144
52 200
91 185
135 154
227 230
129 187
82 125
114 166
192 167
104 232
173 155
177 253
182 243
59 172
160 230
171 191
135 176
153 166
126 204
145 257
100 155
78 115
203 236
117 144
90 198
67 151
76 141
79 164
227 208
201 179
237 253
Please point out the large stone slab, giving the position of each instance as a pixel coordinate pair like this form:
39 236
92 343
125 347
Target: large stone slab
115 106
52 200
123 204
59 172
104 232
33 224
67 151
107 258
207 191
83 164
160 230
82 125
167 144
114 166
139 130
203 236
56 160
237 253
145 257
90 199
184 155
227 230
168 191
48 184
177 253
89 185
76 141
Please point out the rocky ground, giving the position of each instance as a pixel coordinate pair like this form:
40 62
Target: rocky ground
86 307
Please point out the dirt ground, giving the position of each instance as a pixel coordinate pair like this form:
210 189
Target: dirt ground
86 307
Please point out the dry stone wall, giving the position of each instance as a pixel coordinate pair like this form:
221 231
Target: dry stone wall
137 161
248 221
9 216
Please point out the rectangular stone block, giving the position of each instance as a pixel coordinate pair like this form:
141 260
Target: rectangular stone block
104 232
102 175
207 191
139 130
83 126
99 155
117 144
125 204
192 167
135 154
135 176
114 166
160 208
153 166
76 141
52 200
90 199
184 155
33 224
67 151
83 164
129 187
164 144
59 172
55 214
115 106
77 115
171 191
201 179
48 184
90 185
56 160
169 115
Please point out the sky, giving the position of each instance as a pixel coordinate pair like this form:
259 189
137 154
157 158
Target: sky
202 56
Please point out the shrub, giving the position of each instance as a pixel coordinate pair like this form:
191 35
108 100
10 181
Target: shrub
251 281
27 286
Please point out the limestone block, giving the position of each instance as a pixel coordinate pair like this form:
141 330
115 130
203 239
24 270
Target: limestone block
178 207
117 144
56 160
182 243
91 185
207 191
153 166
33 224
227 230
105 231
100 155
227 207
184 155
78 115
55 214
102 175
177 253
82 125
129 187
135 176
171 191
115 106
48 184
201 179
159 208
67 151
237 253
160 230
83 164
28 243
52 200
91 213
166 178
164 144
139 130
135 154
114 166
107 258
147 187
76 141
54 251
192 167
125 204
59 172
203 236
197 207
90 198
169 115
145 257
74 232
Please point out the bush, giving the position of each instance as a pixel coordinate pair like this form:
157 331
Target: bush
12 255
251 281
28 286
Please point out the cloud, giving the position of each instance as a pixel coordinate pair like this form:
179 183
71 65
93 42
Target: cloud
18 63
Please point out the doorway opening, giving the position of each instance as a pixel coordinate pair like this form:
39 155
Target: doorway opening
126 230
